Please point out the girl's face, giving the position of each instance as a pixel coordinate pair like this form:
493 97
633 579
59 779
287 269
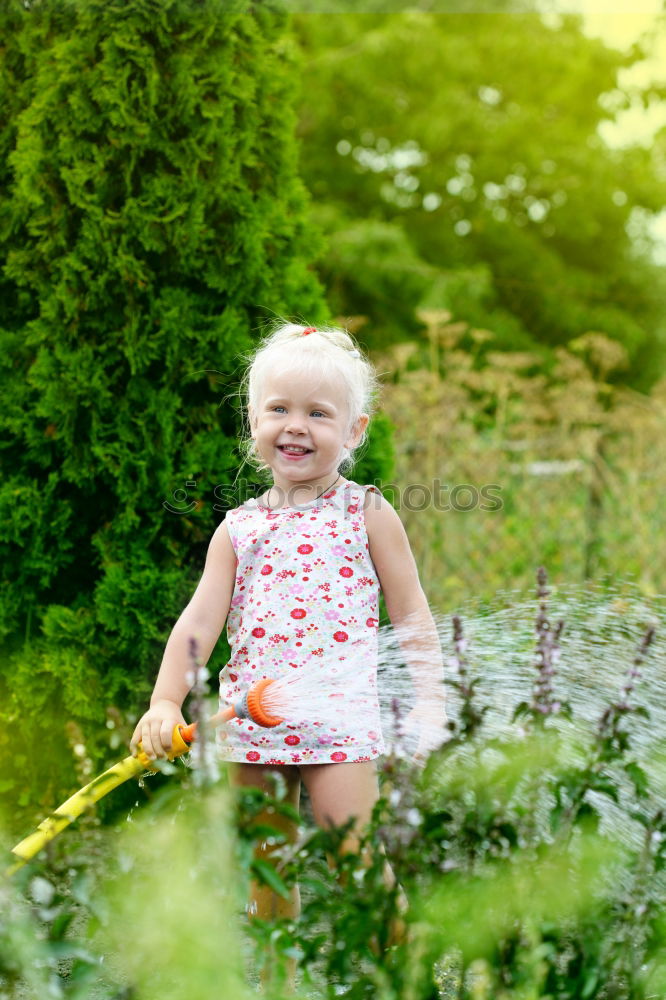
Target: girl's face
302 428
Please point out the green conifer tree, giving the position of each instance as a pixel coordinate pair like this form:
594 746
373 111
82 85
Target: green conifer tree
152 219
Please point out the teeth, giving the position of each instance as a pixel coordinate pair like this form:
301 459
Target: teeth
296 451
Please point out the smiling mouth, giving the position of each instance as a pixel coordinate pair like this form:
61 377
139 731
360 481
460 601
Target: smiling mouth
292 449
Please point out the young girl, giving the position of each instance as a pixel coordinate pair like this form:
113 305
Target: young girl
296 575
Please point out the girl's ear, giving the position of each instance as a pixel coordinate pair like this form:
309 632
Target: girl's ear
253 422
357 430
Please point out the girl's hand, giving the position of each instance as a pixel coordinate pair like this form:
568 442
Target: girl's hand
427 721
155 729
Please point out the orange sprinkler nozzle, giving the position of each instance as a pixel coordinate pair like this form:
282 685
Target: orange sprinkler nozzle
256 709
250 706
188 733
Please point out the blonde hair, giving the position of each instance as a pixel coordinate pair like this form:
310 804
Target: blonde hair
307 351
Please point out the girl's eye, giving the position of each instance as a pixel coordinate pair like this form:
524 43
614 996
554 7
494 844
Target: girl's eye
318 413
279 408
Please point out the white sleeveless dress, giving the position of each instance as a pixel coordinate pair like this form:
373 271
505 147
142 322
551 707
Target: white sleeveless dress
306 598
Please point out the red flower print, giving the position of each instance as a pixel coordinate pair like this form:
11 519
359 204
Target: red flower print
233 677
333 548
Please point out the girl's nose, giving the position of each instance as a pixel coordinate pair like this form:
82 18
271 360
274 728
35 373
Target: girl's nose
295 424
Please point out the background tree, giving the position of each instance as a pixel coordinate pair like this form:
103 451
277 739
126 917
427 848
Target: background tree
152 218
475 144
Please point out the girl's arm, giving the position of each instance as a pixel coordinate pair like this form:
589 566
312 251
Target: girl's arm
203 620
407 608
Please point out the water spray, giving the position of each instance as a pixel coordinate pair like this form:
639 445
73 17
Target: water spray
601 629
413 724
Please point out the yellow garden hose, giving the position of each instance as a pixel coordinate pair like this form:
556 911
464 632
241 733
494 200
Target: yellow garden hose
248 706
130 767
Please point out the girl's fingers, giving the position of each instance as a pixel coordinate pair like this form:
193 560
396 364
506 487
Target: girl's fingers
155 741
146 744
147 741
166 733
155 736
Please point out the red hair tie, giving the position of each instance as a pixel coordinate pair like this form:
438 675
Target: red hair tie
309 329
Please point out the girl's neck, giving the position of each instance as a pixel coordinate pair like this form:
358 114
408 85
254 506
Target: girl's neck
289 494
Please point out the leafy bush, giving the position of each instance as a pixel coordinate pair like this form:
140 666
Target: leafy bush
520 882
517 888
152 214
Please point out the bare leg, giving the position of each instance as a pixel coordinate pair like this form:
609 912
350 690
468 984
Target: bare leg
340 792
263 902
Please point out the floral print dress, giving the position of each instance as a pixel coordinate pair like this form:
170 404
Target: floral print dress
305 599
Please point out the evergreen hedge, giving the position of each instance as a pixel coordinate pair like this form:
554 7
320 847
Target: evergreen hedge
152 218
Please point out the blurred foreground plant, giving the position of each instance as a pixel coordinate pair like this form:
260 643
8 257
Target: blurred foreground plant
520 883
533 859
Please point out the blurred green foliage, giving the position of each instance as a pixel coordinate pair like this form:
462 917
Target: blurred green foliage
503 463
456 163
532 857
